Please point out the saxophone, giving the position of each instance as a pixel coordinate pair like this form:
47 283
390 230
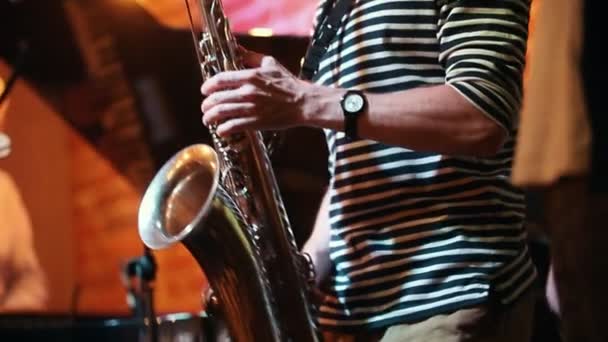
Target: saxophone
224 206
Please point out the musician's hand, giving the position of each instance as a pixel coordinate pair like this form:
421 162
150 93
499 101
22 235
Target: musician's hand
267 96
251 59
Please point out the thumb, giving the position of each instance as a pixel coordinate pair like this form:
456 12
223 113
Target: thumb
268 61
250 59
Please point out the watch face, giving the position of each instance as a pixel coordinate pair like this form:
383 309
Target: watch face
353 103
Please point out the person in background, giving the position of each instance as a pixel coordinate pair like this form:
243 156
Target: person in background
22 281
420 236
562 155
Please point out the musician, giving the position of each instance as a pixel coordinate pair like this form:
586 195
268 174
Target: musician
22 282
420 234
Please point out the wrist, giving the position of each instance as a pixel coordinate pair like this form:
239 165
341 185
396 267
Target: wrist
322 107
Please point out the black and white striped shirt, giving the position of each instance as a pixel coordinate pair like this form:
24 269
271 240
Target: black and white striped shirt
417 234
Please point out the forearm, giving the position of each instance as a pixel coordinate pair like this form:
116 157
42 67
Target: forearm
434 119
317 246
26 288
27 293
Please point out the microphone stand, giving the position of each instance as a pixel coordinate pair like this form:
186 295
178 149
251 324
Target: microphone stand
138 276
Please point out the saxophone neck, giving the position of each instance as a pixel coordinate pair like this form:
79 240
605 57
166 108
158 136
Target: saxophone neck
215 45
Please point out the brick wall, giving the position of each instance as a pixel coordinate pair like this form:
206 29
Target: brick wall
105 208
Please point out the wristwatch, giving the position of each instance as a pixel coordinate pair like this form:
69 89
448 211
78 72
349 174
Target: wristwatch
353 104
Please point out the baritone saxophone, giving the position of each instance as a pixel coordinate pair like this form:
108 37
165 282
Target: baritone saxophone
223 204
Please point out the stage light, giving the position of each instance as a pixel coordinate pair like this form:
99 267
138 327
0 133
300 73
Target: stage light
261 32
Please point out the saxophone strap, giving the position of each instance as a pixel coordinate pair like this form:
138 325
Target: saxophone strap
323 36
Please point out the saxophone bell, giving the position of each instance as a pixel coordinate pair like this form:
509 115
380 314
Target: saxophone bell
178 197
185 203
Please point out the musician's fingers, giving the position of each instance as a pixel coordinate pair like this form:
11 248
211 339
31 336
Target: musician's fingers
269 62
246 93
229 79
251 59
225 111
237 125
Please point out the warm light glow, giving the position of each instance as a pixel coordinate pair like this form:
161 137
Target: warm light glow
281 17
261 32
3 106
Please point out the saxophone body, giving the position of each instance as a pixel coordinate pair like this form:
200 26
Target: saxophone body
224 205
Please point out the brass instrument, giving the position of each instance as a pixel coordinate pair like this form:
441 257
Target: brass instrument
224 205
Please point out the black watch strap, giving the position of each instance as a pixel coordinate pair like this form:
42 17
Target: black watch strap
350 126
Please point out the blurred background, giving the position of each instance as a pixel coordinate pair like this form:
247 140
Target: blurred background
107 90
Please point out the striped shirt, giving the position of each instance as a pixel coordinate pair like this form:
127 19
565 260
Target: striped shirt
417 234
